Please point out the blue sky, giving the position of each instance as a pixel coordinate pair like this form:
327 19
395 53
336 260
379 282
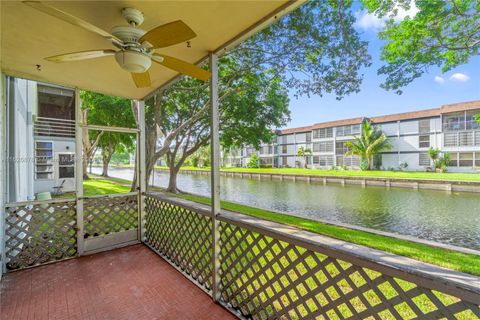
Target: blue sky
423 93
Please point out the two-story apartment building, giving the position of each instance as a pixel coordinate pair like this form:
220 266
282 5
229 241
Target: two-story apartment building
450 128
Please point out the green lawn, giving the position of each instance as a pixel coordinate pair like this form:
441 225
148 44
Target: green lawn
468 263
96 186
355 173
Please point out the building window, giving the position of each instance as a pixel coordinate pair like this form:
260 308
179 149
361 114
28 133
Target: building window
323 133
326 161
477 159
465 159
348 130
423 159
465 138
284 149
284 161
470 122
44 160
454 121
309 137
424 126
424 141
264 161
325 146
316 159
450 139
453 160
66 165
341 148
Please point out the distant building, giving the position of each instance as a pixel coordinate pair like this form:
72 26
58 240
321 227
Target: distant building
450 128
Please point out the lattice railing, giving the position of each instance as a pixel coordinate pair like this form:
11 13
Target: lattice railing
267 278
182 236
110 214
39 232
273 271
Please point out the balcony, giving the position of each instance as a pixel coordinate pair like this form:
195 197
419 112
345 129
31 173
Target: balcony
264 270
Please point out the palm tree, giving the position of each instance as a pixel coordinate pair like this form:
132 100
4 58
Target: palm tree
304 153
370 142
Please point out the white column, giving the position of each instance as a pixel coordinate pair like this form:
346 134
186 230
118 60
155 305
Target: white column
3 180
79 171
141 165
215 172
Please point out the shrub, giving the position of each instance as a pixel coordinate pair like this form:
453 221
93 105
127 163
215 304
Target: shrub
403 166
195 162
254 161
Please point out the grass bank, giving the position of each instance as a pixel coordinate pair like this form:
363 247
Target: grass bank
355 173
468 263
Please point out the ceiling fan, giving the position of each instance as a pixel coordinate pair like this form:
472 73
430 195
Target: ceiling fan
136 48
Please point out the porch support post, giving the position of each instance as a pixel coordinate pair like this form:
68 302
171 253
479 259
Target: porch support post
215 173
79 170
3 179
141 173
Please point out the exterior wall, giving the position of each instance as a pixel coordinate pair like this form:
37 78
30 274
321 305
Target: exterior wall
60 145
20 140
410 138
22 183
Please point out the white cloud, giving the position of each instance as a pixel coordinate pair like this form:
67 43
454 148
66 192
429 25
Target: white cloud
439 79
369 21
461 77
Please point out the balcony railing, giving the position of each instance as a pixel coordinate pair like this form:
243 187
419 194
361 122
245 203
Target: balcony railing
461 139
54 127
271 271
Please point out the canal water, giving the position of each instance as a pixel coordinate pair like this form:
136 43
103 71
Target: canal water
452 218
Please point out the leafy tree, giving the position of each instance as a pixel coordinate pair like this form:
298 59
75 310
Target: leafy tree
370 142
254 161
100 109
433 153
304 153
312 50
443 33
250 105
201 158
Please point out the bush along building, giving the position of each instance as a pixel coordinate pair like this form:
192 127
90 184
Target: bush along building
450 128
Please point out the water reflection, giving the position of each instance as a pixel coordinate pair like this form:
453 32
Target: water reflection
428 214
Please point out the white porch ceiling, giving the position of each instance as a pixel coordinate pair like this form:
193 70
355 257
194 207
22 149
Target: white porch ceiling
28 36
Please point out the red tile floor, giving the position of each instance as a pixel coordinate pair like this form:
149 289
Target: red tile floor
127 283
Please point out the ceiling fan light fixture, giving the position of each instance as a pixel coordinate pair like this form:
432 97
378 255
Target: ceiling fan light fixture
133 61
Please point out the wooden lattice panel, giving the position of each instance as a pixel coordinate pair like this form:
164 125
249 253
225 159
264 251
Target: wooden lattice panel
266 278
182 236
40 232
108 215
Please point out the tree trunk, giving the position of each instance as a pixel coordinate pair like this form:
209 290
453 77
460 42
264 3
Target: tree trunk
85 168
172 180
106 157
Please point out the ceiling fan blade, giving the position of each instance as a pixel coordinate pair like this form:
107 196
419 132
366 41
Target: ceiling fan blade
181 66
142 80
82 55
168 34
67 17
